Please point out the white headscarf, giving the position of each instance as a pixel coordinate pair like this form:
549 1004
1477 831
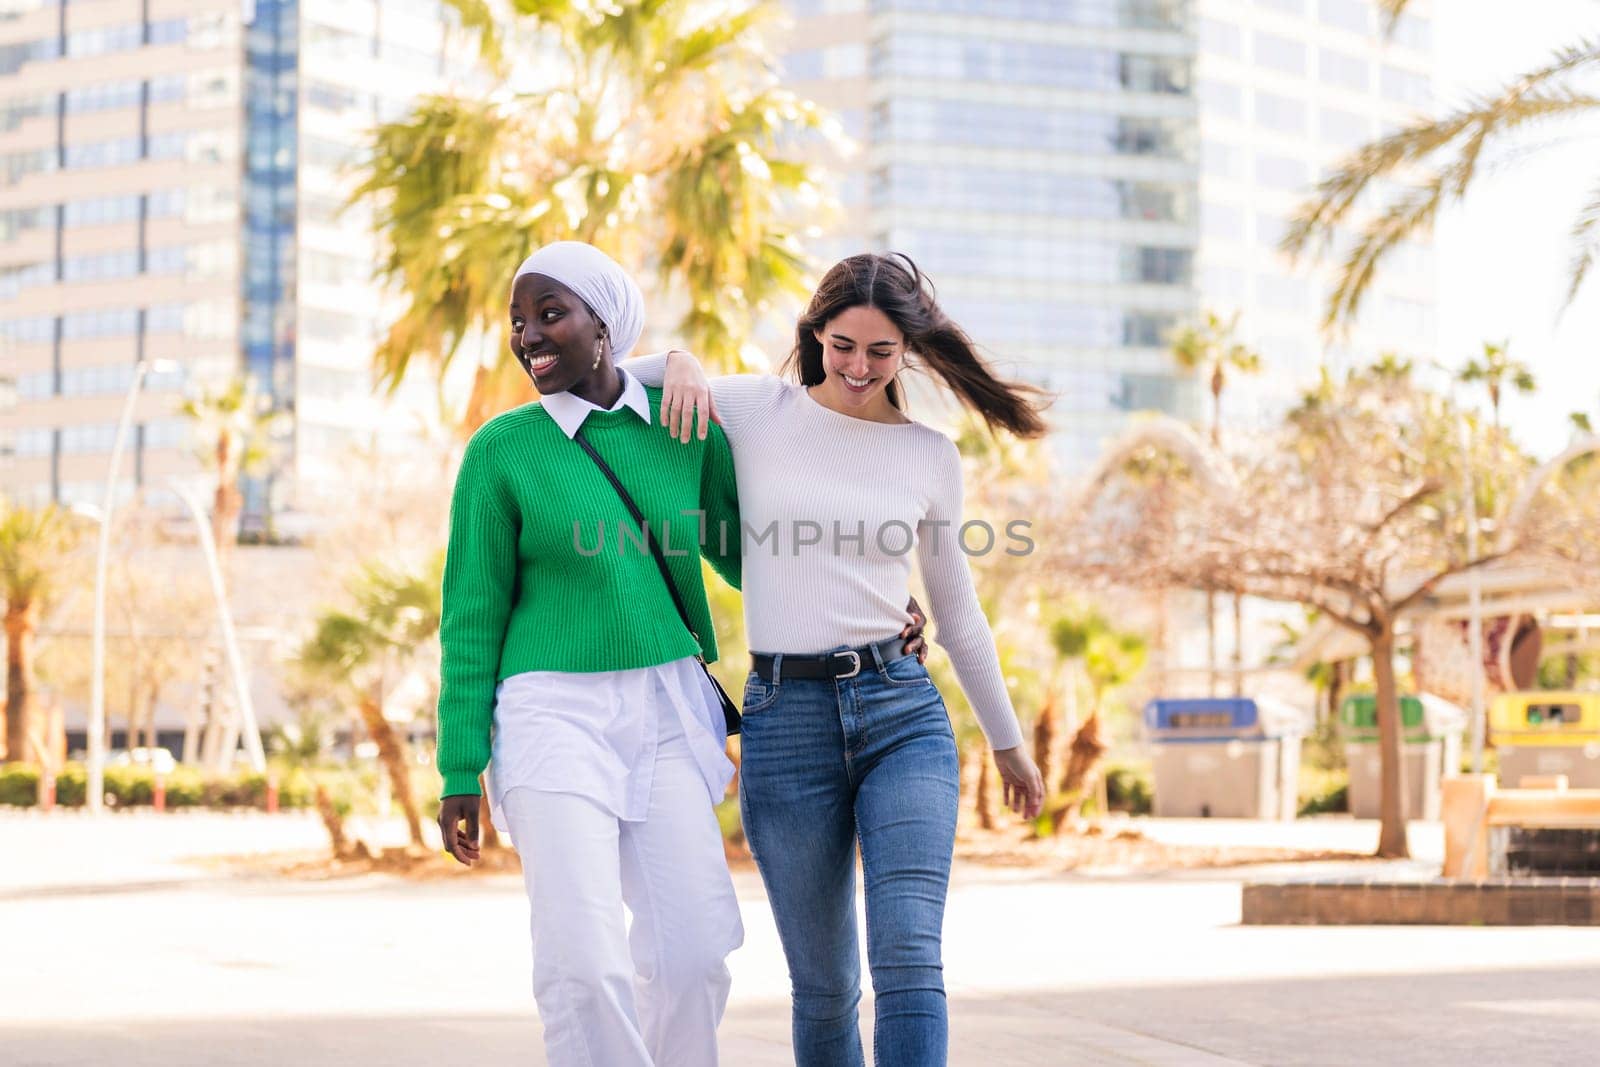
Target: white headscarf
600 282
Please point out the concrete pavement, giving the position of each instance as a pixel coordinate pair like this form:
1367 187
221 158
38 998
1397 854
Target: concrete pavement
118 953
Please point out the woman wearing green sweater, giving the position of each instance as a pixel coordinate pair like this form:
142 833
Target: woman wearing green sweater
567 673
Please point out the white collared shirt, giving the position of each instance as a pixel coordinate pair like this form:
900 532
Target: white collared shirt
569 410
596 733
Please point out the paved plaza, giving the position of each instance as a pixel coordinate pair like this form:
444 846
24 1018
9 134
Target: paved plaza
121 951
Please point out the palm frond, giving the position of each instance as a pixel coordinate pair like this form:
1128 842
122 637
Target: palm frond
1584 235
1406 216
477 18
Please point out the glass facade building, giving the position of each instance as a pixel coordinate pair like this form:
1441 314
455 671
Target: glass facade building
172 174
1054 166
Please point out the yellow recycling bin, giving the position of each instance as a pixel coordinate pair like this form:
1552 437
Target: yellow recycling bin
1545 733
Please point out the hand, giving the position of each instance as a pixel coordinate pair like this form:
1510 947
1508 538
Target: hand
453 811
912 634
1024 789
686 392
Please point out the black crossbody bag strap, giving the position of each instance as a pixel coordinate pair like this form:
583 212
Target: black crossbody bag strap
730 710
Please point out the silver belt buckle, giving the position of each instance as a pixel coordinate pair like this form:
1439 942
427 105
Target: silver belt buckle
854 670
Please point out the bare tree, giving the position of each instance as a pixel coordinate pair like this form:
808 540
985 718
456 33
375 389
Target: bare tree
1354 508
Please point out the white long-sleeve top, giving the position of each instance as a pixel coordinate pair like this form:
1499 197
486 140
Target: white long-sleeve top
833 508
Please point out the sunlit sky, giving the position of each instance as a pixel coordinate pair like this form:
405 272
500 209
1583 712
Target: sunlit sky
1504 254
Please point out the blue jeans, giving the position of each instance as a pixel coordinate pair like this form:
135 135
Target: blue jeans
826 763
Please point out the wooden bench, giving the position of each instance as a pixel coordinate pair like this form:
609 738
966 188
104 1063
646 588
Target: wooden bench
1474 805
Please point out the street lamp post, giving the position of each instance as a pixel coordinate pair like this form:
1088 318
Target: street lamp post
97 681
1474 579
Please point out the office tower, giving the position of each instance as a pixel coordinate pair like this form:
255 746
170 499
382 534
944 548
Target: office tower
1284 89
1082 177
173 179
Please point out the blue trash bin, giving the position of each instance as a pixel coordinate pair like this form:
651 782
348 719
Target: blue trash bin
1225 757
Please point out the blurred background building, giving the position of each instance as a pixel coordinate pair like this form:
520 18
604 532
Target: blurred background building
171 189
1080 177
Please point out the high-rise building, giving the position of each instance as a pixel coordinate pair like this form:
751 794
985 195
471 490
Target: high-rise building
172 183
1082 177
1284 89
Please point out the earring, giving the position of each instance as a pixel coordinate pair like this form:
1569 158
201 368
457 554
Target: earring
599 350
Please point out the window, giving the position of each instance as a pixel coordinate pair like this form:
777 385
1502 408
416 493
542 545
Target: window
336 43
1222 285
13 57
1281 113
1141 14
124 38
1343 129
34 329
1349 15
1026 192
328 269
1220 98
1218 160
1346 71
103 96
1222 220
1404 86
1414 31
1221 38
20 220
1283 293
102 267
334 326
17 110
88 437
102 153
988 254
325 96
103 322
19 165
1280 172
1008 62
35 441
1280 53
1269 228
167 433
803 64
961 122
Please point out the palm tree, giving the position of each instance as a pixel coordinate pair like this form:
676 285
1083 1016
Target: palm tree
661 137
34 544
1210 349
394 614
1496 370
1434 161
1111 659
1108 658
234 423
1069 638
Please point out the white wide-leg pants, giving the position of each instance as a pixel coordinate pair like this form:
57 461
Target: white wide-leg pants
610 995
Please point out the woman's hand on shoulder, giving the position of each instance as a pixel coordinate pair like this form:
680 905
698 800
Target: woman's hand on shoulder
686 397
1024 788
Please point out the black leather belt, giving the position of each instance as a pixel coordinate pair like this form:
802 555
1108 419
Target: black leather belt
843 664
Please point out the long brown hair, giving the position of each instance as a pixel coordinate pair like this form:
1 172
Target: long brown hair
893 284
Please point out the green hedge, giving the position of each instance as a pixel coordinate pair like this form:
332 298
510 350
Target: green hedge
1129 788
134 787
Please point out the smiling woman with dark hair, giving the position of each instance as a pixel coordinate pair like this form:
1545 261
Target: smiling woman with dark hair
847 742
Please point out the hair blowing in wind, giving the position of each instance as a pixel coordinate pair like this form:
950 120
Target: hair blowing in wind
892 284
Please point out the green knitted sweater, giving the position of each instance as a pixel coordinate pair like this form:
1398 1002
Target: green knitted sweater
525 589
